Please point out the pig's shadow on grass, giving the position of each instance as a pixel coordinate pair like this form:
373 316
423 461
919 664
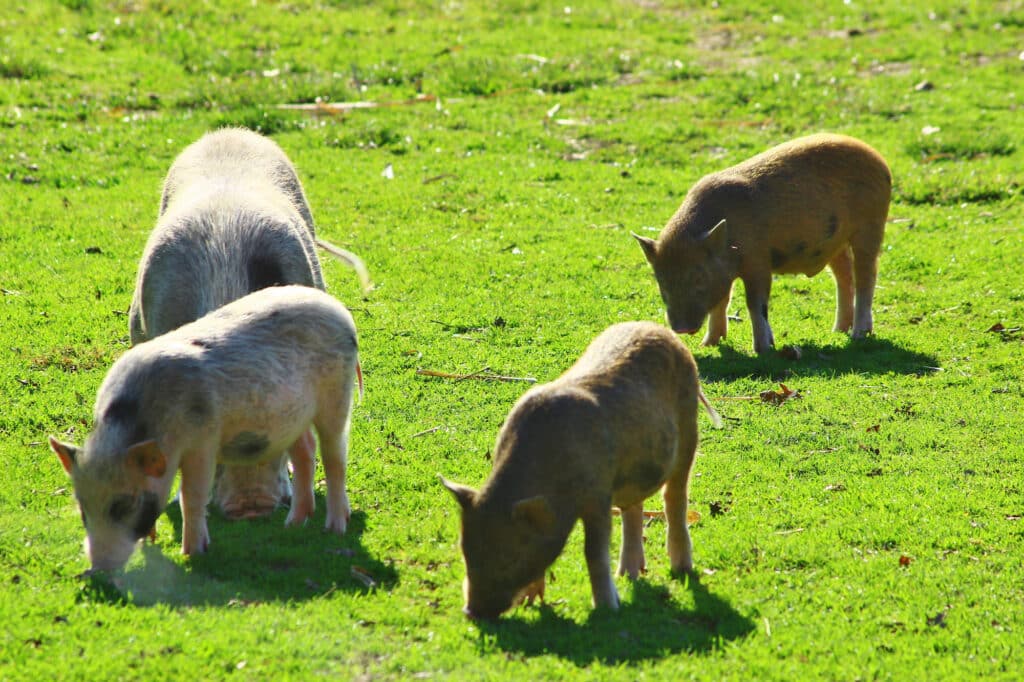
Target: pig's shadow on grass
871 355
649 625
251 562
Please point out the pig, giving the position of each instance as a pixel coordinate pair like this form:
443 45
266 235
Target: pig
233 219
810 202
617 426
238 386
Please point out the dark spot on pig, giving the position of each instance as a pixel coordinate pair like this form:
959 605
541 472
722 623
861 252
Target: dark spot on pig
778 258
764 311
833 225
816 253
264 272
200 343
199 409
149 512
800 248
246 445
121 508
123 410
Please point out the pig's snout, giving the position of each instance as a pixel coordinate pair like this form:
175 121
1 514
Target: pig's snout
685 330
249 505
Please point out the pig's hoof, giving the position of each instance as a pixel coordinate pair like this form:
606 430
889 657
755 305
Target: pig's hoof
197 546
633 570
710 340
297 516
338 523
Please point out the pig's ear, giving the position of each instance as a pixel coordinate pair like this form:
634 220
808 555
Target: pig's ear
536 511
67 453
716 235
463 494
147 458
649 246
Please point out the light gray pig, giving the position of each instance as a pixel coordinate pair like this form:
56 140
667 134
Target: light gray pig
617 426
233 219
239 386
814 201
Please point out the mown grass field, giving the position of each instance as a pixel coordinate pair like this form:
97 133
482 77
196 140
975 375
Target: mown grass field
870 528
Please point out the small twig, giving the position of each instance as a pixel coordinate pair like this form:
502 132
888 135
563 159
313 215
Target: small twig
435 178
475 375
426 431
790 531
336 107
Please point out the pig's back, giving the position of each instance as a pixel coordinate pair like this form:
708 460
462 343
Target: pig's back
231 161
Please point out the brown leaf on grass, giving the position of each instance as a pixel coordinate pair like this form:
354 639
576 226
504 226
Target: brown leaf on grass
692 516
905 560
874 428
835 488
997 327
780 396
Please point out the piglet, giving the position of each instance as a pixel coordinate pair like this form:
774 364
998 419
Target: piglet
233 219
814 201
238 386
618 426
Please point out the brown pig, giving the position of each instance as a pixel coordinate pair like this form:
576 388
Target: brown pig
238 386
617 426
814 201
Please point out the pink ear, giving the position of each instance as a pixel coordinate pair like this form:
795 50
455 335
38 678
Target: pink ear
66 452
148 457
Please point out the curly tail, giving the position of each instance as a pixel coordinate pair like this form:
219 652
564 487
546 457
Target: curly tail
349 258
715 419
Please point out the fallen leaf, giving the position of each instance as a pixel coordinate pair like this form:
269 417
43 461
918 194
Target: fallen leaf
835 487
874 428
780 396
997 327
692 516
905 560
388 172
938 619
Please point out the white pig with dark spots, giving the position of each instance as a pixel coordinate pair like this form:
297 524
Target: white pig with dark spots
238 386
617 427
233 219
810 202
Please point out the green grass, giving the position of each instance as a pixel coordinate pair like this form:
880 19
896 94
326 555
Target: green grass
869 529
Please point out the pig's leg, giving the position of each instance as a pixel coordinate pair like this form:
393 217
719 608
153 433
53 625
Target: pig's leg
757 290
597 533
631 558
302 453
865 272
842 269
718 323
197 470
675 493
334 452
